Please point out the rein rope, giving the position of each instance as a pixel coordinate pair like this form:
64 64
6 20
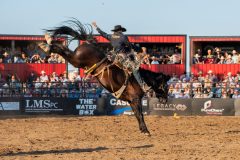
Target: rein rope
91 70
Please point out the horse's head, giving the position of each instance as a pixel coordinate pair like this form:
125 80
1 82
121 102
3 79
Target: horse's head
158 82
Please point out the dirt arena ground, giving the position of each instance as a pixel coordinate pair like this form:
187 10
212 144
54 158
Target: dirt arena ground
118 138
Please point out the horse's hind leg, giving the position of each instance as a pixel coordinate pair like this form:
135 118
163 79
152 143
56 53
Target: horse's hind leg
137 109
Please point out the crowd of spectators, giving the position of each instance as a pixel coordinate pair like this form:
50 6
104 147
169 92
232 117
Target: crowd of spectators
73 86
29 54
204 86
53 85
158 55
216 56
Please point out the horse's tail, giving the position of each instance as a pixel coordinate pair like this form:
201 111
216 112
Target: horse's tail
75 29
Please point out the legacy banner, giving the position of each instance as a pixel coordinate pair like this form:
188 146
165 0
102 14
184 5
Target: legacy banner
179 106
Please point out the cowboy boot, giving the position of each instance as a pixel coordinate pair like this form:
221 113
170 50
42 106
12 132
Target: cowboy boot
45 47
141 82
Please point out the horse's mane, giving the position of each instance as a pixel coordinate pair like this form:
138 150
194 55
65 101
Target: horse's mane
75 29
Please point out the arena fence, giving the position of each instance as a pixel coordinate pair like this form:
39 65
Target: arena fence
86 89
110 106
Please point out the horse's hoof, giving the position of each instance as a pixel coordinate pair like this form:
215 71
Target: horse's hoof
147 134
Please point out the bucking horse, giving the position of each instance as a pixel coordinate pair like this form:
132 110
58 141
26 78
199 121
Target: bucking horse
112 77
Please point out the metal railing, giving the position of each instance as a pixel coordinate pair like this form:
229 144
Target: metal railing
50 89
84 89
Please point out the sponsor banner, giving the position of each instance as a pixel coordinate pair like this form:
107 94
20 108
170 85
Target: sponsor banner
179 106
117 106
217 107
9 106
237 107
87 106
42 105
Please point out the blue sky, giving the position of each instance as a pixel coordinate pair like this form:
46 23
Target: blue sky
191 17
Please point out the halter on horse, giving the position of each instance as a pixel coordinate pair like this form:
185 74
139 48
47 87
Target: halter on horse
110 76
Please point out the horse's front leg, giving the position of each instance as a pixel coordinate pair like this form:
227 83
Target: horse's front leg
137 109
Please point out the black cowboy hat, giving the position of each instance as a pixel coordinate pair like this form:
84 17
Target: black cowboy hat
119 28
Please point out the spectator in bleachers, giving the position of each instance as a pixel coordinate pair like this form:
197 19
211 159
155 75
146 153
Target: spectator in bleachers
236 94
229 60
54 77
28 93
76 76
60 59
225 55
222 60
200 76
229 77
37 59
53 58
43 77
25 58
154 60
17 58
238 76
64 93
212 76
217 90
14 85
235 56
224 94
208 93
38 85
176 57
196 59
31 50
6 58
218 55
197 93
209 58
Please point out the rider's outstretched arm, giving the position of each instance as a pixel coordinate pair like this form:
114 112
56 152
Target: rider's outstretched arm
104 34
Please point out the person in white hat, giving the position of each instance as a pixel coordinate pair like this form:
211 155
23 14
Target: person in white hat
229 77
154 60
7 58
76 75
43 77
211 76
196 59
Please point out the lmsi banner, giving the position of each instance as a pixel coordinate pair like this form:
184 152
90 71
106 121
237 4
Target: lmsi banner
217 107
42 105
179 106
